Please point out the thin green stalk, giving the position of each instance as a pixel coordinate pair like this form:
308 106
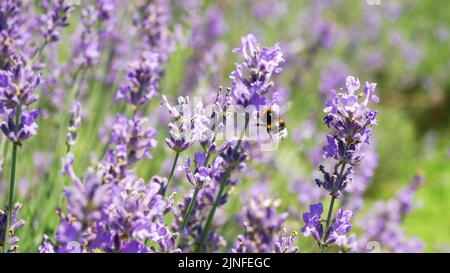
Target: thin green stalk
171 173
330 209
187 216
213 210
223 183
12 180
327 225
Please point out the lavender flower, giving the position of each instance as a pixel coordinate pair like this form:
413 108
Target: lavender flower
141 84
335 234
18 86
55 18
202 174
87 49
263 228
152 21
180 137
131 141
252 78
112 216
351 121
204 193
11 34
13 241
312 222
135 135
25 129
285 243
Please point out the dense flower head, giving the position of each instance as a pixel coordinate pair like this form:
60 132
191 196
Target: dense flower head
25 129
11 36
136 135
350 118
18 85
106 8
180 129
131 140
120 216
285 243
341 227
87 48
56 17
141 83
13 241
252 78
263 227
152 19
336 233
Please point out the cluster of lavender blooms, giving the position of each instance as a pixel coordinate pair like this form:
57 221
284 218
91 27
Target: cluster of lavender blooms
131 140
263 229
12 245
336 233
251 81
142 81
112 216
20 78
351 119
18 86
112 209
152 19
55 17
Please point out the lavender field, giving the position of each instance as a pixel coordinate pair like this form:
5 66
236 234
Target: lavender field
251 126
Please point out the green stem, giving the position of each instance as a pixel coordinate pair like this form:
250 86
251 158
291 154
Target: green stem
213 210
12 180
330 209
327 225
171 173
223 183
187 216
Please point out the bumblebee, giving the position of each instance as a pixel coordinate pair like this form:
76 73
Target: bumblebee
275 126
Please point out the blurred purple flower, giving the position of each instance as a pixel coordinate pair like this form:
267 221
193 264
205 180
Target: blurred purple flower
141 84
13 241
251 79
263 228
